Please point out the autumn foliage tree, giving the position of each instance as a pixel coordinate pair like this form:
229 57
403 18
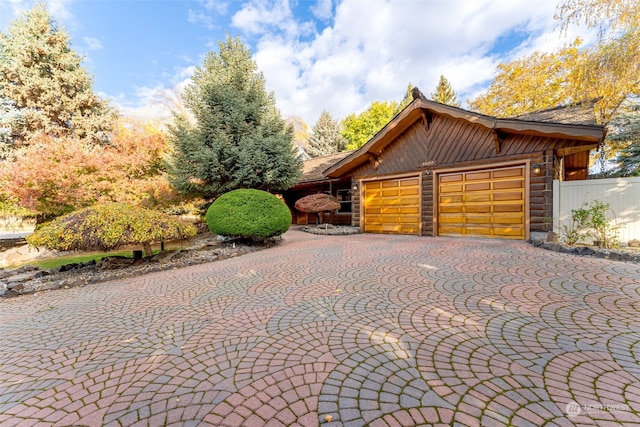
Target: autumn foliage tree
54 176
606 71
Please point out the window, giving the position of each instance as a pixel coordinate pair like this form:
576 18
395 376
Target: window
344 198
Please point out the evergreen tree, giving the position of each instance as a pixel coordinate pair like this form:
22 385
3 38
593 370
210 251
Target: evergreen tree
11 122
45 79
406 100
239 139
444 93
326 138
625 131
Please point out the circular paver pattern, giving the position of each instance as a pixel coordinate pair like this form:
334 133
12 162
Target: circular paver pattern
360 330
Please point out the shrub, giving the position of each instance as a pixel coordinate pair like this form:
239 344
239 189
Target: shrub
578 229
108 226
604 230
248 213
591 221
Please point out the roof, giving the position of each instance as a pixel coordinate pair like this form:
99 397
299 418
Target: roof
313 169
577 114
543 125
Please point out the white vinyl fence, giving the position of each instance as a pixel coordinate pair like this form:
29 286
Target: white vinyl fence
622 194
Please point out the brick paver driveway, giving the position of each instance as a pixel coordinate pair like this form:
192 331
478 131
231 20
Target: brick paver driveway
357 330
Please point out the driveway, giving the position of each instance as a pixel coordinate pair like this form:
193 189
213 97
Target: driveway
357 330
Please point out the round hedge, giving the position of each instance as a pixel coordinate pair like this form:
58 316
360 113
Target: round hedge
248 213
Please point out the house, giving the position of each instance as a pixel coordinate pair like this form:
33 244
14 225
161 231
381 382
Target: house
438 170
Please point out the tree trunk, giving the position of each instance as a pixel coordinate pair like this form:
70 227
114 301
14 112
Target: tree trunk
147 249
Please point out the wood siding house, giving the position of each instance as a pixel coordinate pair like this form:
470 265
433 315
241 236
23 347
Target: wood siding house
438 170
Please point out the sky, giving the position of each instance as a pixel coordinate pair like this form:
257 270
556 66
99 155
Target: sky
333 55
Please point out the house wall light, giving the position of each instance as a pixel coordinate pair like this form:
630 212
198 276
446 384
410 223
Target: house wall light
536 169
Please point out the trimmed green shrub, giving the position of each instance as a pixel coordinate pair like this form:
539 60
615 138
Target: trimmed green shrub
248 213
109 226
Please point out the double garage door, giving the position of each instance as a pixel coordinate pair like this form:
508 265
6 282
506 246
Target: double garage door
489 203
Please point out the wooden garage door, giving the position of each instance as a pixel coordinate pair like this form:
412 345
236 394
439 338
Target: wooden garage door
392 206
488 203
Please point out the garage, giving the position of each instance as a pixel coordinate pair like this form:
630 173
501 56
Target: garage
483 203
392 206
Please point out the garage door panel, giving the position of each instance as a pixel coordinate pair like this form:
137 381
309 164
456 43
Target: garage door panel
450 199
480 186
478 219
409 191
498 185
451 230
410 210
409 219
508 195
510 219
477 176
452 219
477 208
478 231
508 208
457 177
482 203
507 172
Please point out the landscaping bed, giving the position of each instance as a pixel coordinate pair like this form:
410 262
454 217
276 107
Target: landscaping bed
626 254
205 247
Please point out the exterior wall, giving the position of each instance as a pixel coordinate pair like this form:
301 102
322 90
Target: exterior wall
427 206
541 191
621 193
302 218
355 203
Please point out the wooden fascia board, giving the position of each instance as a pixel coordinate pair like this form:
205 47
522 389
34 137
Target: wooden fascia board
566 151
590 133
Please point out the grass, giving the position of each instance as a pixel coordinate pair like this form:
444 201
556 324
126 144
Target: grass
72 259
57 261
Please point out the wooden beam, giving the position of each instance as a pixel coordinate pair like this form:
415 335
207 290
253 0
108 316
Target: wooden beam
498 138
565 151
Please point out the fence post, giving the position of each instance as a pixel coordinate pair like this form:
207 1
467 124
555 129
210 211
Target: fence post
556 205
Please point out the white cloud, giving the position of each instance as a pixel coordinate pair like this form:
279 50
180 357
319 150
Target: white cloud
92 43
374 49
323 9
199 17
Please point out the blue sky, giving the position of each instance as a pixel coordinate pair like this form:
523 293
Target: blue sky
316 55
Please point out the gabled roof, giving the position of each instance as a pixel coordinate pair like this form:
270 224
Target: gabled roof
421 108
313 169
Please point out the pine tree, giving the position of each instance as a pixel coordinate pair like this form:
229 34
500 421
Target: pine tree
444 94
625 131
239 139
326 138
45 78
